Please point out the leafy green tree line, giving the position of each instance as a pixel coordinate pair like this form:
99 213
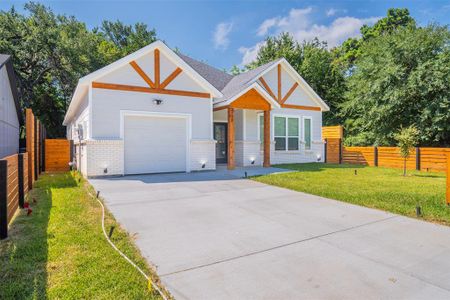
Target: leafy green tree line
51 52
394 76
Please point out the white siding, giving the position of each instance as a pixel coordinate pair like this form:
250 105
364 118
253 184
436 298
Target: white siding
221 116
9 122
250 148
81 117
299 97
105 107
107 104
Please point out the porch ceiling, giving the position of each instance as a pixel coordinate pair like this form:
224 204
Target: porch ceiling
251 100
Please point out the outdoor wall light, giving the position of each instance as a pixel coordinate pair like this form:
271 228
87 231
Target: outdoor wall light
203 163
252 160
319 157
105 170
157 101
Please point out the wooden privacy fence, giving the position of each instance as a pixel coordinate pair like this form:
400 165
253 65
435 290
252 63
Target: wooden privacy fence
13 188
19 171
332 136
448 179
420 158
35 135
57 154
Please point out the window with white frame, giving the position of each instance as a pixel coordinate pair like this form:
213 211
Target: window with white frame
261 128
286 133
307 132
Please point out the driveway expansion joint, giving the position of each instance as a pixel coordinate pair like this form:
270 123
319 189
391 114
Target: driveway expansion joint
278 247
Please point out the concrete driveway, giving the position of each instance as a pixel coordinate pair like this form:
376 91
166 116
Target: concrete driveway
212 235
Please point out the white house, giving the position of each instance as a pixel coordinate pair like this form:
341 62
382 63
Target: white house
159 111
10 114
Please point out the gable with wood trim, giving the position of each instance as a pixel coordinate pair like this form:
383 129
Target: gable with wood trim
156 111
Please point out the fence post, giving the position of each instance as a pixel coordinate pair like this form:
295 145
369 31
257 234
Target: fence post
325 151
21 183
417 158
3 199
375 156
448 179
43 149
35 145
340 151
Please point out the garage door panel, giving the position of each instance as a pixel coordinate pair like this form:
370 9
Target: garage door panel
155 144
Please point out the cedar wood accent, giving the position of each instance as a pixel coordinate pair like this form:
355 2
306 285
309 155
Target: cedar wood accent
153 87
281 99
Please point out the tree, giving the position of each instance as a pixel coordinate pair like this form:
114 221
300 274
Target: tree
51 52
314 62
396 18
406 139
235 70
400 79
276 47
127 38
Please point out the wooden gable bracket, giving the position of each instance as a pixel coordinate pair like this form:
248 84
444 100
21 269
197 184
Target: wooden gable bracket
156 86
281 99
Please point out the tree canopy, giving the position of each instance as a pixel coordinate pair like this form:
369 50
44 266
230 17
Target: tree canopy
51 52
394 75
401 79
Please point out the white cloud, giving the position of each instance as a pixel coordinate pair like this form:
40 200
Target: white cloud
249 54
299 24
220 38
296 18
266 25
334 34
333 11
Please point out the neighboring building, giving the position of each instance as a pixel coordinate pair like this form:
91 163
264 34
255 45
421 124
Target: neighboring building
158 111
10 114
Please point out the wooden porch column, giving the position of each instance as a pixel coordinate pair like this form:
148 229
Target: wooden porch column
266 162
230 151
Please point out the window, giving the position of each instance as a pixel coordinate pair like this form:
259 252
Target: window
286 133
307 133
293 134
261 128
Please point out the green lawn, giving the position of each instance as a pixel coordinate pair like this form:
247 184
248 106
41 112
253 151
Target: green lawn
59 252
374 187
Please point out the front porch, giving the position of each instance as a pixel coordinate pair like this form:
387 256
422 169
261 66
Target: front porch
234 147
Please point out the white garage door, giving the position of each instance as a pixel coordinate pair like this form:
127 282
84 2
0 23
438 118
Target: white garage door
155 144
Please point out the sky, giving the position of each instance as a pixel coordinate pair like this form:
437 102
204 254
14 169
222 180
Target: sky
227 33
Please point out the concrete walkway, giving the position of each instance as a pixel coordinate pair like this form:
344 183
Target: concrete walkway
213 235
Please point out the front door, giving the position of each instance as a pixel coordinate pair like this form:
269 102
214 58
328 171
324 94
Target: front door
220 135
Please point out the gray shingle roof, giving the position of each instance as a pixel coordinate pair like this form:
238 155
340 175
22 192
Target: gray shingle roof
7 62
242 81
216 77
3 59
228 84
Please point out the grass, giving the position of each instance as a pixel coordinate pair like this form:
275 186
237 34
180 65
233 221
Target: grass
59 251
380 188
